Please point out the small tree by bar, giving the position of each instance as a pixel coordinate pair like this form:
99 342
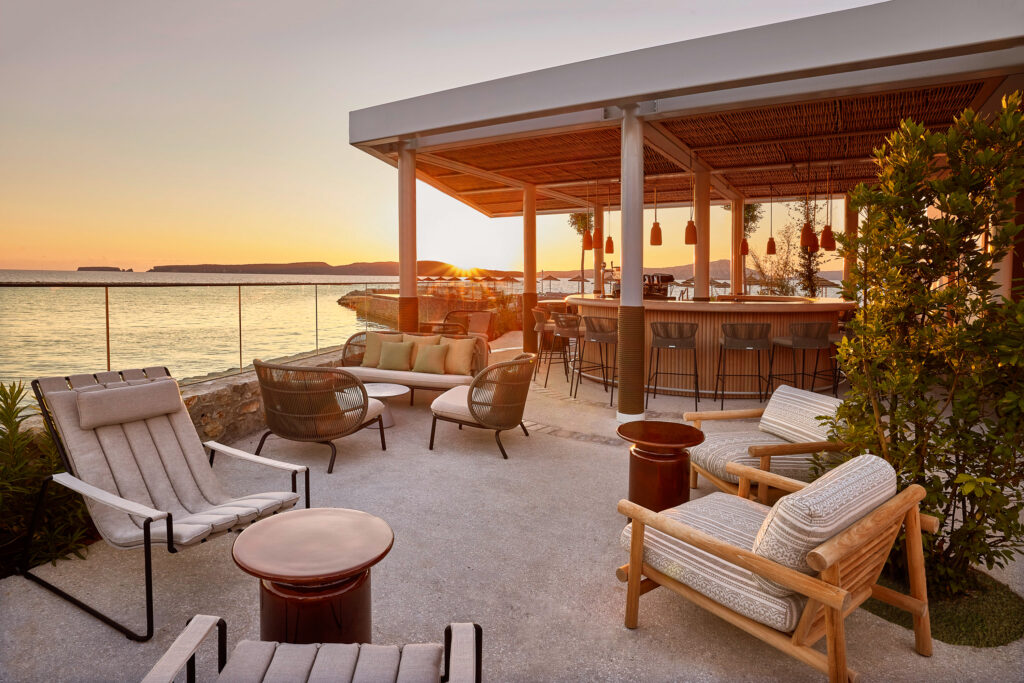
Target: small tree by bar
935 357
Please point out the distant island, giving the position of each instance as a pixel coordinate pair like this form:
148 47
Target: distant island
107 269
719 269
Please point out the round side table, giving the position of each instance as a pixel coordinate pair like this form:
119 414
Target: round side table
384 390
314 570
659 463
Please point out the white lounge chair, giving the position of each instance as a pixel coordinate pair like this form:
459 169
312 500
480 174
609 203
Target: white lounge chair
254 661
131 450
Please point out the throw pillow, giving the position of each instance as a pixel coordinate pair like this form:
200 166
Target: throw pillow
460 356
431 359
371 354
395 355
419 340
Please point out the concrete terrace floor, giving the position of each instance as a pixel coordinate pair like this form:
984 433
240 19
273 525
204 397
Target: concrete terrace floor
526 547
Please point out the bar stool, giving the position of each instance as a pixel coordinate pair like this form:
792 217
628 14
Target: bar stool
540 322
666 335
605 333
744 337
564 340
809 336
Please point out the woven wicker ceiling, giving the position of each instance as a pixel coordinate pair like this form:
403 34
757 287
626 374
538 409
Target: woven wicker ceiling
757 151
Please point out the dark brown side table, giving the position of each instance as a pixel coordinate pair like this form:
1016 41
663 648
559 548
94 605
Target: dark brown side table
314 570
659 463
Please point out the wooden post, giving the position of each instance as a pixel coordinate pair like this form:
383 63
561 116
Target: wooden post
736 265
918 583
630 349
636 566
408 303
529 266
598 248
702 252
835 633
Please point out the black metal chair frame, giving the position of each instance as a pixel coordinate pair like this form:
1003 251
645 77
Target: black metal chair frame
377 423
654 370
566 348
25 570
720 375
463 423
580 364
831 373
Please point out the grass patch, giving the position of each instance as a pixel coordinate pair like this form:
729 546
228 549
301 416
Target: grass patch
990 616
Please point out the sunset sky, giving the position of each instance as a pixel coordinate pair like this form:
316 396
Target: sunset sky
136 133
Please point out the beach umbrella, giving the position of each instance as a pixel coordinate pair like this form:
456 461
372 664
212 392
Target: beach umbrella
549 278
580 279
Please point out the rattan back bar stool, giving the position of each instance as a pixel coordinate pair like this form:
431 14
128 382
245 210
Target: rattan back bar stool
744 337
540 322
804 337
605 333
565 337
671 336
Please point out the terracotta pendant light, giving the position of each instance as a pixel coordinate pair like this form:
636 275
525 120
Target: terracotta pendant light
656 228
588 240
770 248
744 247
812 210
690 235
828 240
609 246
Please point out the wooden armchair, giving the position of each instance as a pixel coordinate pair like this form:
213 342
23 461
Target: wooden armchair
697 550
787 434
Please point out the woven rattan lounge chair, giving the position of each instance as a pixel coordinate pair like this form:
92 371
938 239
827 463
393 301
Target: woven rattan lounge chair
317 405
255 661
131 450
788 574
495 400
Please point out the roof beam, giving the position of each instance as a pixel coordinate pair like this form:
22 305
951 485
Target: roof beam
498 178
675 150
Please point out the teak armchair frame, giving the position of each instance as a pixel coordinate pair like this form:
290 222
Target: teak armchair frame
848 567
763 452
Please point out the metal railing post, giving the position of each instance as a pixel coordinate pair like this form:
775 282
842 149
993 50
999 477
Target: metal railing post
240 366
316 315
106 306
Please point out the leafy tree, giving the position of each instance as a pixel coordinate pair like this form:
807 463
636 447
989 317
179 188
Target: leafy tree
935 358
808 264
778 272
581 222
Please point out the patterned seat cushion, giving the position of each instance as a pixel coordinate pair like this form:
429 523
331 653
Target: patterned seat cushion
800 522
733 520
718 450
792 414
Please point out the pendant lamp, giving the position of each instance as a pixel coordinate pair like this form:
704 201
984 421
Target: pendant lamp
609 246
744 247
588 241
770 248
690 235
828 240
656 228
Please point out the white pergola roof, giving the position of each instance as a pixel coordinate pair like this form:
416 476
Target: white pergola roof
792 103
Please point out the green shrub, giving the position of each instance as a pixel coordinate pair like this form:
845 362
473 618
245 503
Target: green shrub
26 459
935 358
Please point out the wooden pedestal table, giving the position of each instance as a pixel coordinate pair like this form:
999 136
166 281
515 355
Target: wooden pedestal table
659 464
314 570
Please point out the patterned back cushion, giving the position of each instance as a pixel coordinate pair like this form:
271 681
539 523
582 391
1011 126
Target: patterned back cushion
800 522
792 414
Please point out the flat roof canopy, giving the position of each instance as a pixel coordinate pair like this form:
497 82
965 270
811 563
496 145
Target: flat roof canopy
776 110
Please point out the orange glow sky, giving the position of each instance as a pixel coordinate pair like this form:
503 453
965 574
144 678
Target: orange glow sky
139 133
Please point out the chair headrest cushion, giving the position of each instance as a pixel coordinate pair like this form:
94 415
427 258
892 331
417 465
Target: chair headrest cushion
119 405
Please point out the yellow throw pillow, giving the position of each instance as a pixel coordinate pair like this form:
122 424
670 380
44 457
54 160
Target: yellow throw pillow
460 356
395 356
418 341
431 359
371 354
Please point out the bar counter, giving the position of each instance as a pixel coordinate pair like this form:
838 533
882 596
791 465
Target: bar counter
709 316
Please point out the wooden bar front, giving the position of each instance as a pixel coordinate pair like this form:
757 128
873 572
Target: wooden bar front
709 316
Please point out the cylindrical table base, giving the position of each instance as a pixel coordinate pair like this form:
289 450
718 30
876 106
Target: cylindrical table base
659 481
338 613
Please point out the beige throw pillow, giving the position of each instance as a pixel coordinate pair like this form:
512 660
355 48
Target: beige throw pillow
431 359
460 356
395 356
371 354
418 341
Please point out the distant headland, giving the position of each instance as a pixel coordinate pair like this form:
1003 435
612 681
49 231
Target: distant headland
107 269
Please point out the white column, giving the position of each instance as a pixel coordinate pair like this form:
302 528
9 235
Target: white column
598 249
406 221
736 265
702 252
632 204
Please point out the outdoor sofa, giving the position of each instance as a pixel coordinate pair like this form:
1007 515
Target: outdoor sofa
359 358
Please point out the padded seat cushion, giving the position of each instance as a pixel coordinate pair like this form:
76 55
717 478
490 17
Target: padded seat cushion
374 407
111 406
718 450
792 414
417 380
800 522
736 521
266 662
453 404
192 528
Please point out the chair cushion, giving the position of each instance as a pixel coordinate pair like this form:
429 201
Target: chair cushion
460 356
371 352
792 414
255 661
800 522
396 356
192 528
101 407
736 521
454 404
420 340
431 359
718 450
419 380
374 407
